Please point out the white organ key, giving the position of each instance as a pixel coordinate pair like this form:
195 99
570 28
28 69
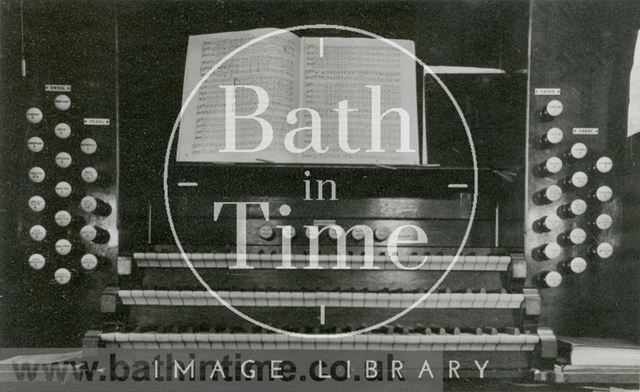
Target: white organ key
152 299
174 297
163 297
188 298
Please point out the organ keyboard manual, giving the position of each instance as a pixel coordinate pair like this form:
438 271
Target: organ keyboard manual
327 195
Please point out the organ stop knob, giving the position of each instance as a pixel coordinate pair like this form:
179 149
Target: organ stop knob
547 223
602 222
36 174
551 110
94 205
575 181
63 189
62 130
573 209
572 237
552 137
37 203
94 234
37 261
577 152
62 276
602 166
551 166
266 232
575 265
549 279
37 233
548 195
603 194
62 102
63 160
89 262
63 247
604 250
34 115
88 146
547 251
35 144
381 233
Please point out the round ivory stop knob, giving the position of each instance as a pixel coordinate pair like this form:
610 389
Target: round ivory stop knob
37 233
63 247
89 262
35 144
62 102
62 276
577 265
34 115
37 203
37 261
604 250
552 279
553 108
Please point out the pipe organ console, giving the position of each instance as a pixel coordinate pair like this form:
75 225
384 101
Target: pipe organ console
97 88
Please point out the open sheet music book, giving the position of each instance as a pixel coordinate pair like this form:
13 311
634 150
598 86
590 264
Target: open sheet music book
298 72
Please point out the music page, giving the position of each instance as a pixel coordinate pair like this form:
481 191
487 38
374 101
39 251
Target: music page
271 64
338 69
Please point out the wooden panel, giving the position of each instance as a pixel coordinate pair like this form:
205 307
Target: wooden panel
80 54
576 49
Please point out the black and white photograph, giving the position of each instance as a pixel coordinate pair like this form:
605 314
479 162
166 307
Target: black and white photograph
320 195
